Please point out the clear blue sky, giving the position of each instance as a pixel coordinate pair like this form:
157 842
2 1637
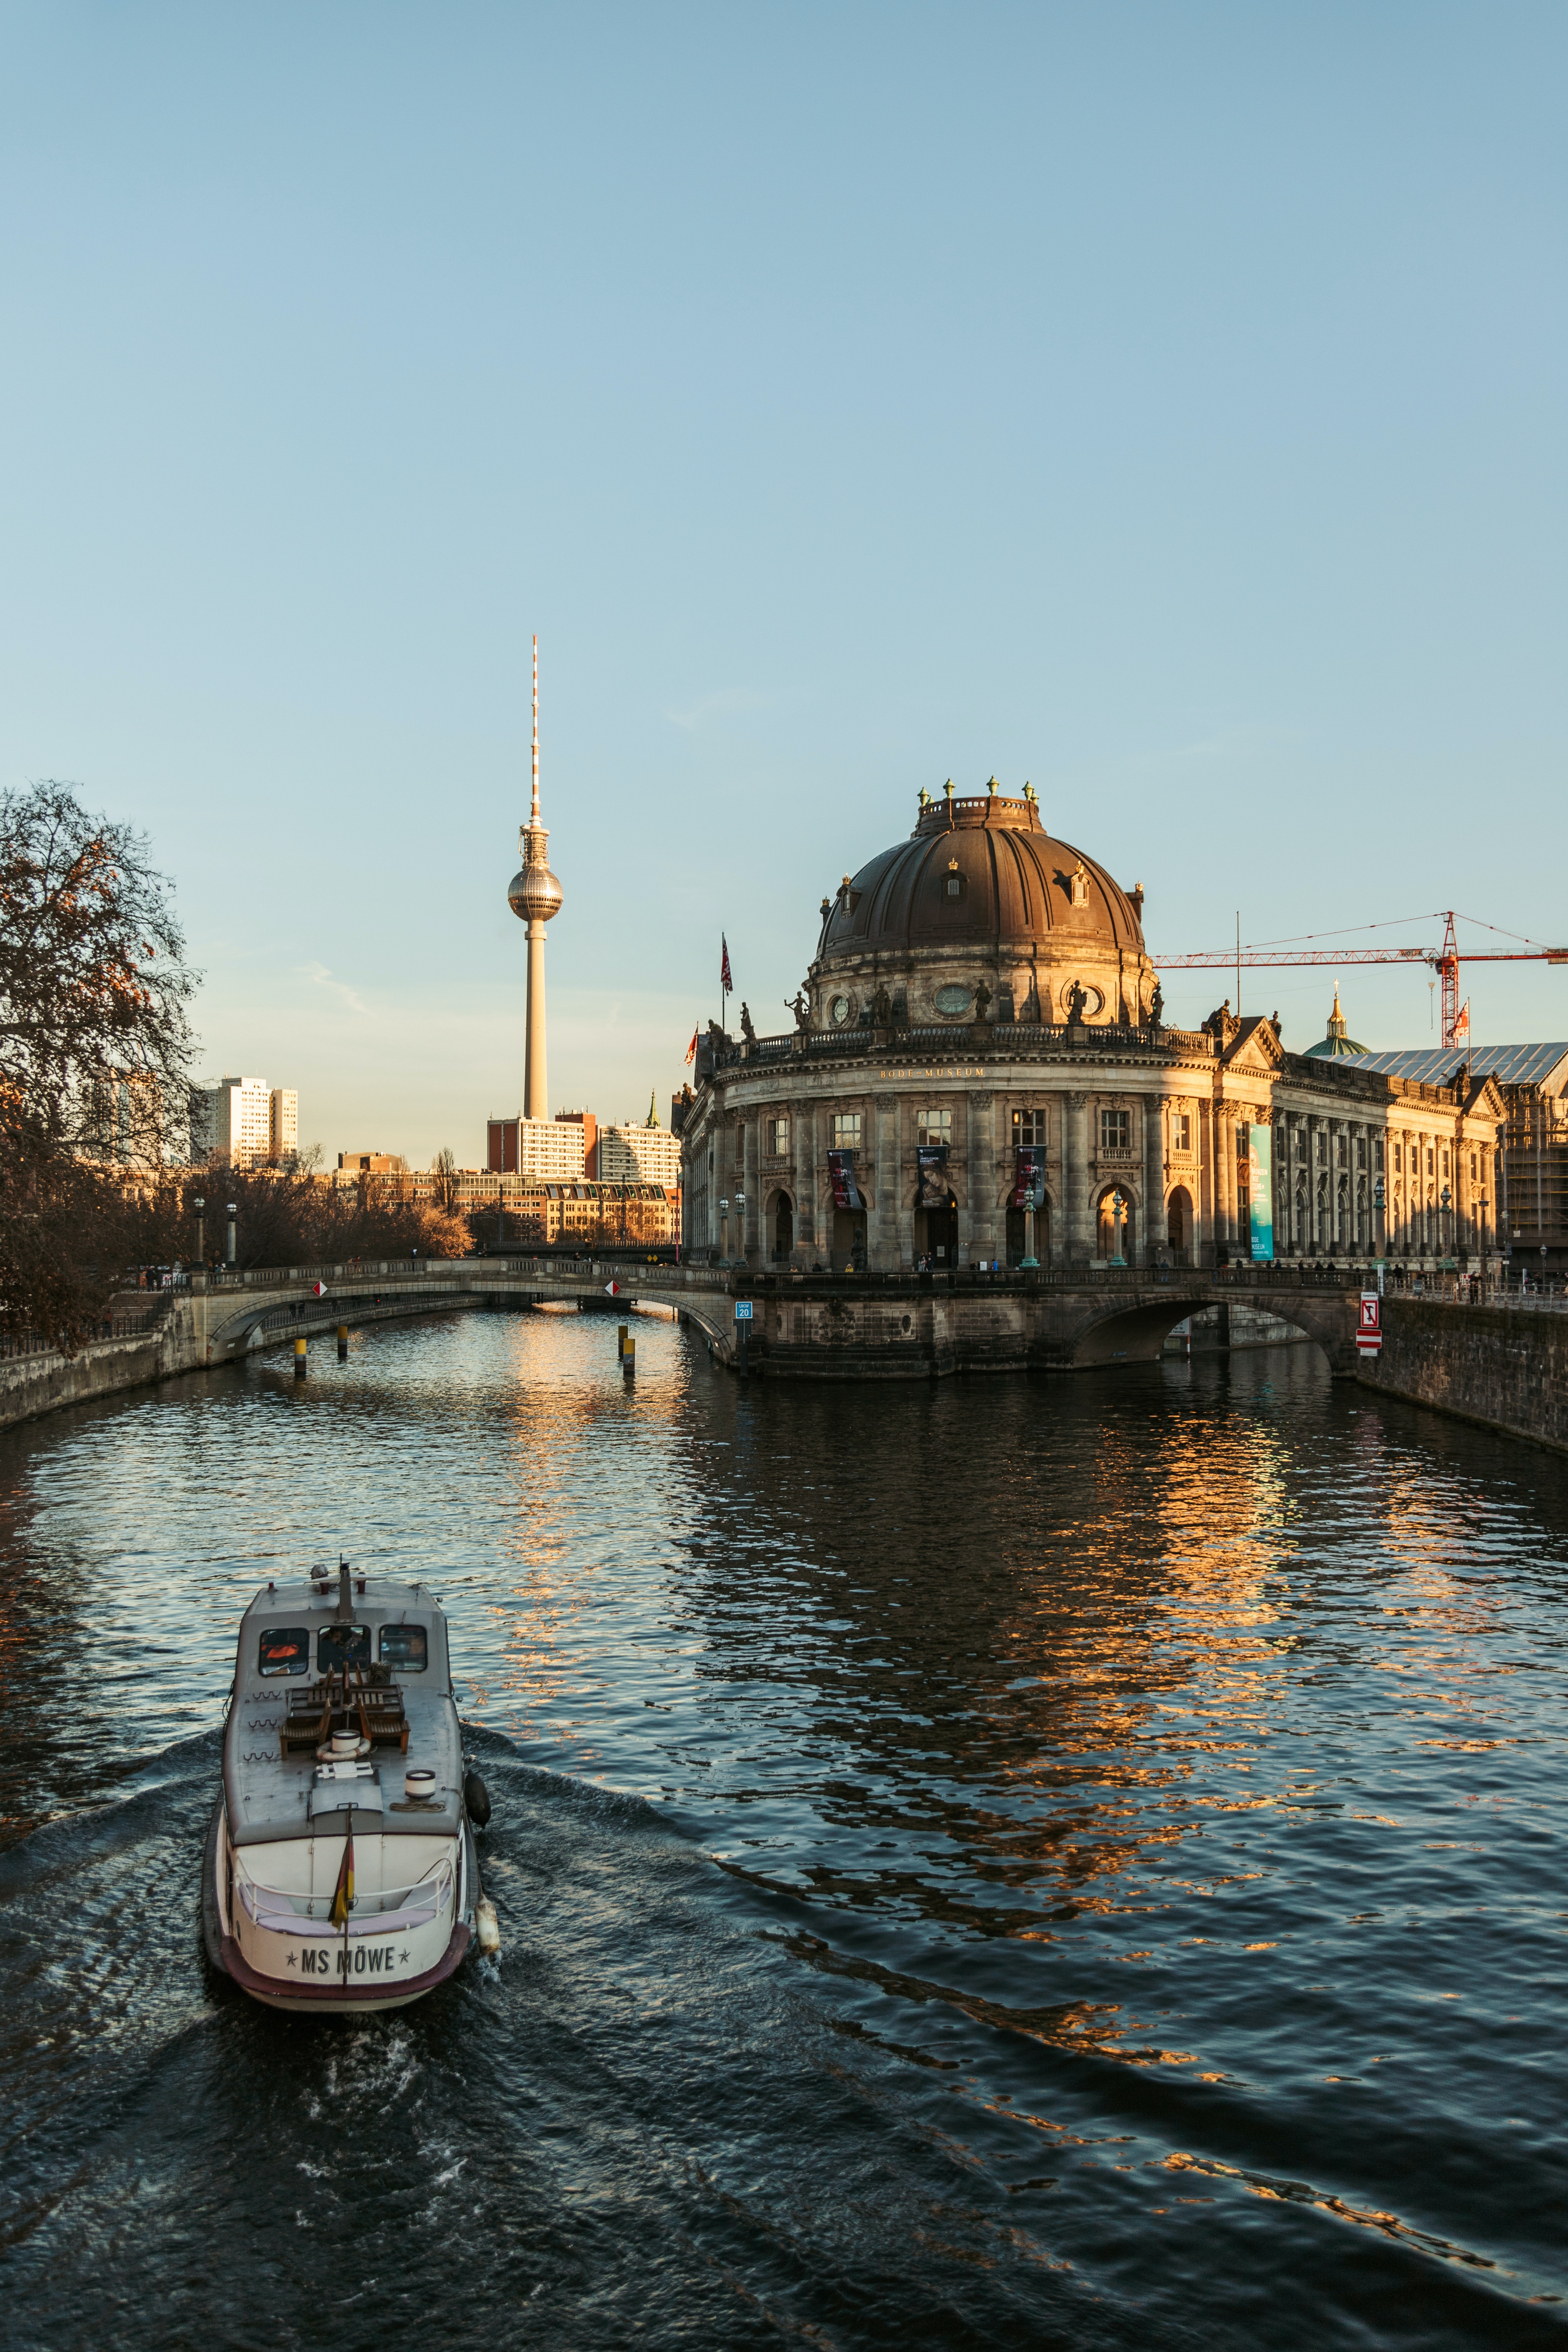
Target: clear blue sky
1164 404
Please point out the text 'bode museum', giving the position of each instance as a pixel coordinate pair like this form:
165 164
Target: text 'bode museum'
980 1073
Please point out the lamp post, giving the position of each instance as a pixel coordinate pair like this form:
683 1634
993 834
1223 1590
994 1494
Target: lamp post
199 1205
1379 1238
1447 1205
1481 1205
233 1213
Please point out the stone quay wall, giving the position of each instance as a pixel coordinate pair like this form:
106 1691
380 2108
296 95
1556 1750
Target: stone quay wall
1503 1367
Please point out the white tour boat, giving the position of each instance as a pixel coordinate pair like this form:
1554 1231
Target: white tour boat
341 1872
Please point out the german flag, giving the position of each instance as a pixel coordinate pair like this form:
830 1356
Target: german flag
342 1898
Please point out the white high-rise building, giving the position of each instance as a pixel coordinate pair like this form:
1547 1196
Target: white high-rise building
638 1155
283 1122
235 1119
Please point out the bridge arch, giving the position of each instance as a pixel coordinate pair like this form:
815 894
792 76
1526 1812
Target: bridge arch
1134 1331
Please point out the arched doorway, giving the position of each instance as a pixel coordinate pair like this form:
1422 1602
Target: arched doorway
783 1228
849 1241
936 1234
1113 1228
1179 1226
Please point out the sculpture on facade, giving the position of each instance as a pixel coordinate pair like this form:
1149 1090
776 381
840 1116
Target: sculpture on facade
800 1008
1078 1003
982 1001
1156 1006
882 1007
748 1027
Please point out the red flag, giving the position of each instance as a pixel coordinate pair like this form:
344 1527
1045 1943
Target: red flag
1462 1021
725 983
691 1049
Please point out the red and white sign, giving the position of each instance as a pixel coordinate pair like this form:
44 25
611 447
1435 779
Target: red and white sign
611 1289
320 1288
1369 1333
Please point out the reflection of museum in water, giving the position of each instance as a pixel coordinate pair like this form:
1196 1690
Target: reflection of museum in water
980 1073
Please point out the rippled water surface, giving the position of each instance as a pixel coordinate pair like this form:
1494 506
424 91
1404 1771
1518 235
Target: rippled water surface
1051 1862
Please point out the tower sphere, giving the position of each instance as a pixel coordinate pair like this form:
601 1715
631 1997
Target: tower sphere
533 894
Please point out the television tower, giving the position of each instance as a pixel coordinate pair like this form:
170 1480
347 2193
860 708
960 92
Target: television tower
534 895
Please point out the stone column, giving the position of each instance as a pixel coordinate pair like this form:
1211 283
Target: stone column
750 1225
980 1186
1153 1177
817 1182
1075 1179
903 1190
1222 1148
882 1243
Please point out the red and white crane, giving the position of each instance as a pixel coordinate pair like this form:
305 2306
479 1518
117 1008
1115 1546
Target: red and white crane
1445 963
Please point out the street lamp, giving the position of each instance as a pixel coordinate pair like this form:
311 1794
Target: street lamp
1446 1206
233 1213
1481 1205
199 1205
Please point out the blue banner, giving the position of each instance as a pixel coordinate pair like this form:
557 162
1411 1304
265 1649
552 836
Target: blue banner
1260 1186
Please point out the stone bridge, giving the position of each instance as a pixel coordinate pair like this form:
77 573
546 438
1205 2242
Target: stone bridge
871 1327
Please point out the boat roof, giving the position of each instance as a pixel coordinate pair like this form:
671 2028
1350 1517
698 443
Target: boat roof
271 1796
381 1595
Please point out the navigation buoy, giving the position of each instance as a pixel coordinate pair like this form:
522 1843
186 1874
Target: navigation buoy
477 1798
487 1925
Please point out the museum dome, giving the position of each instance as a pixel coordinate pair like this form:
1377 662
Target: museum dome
980 873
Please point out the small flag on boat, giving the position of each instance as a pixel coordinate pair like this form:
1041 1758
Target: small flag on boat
342 1898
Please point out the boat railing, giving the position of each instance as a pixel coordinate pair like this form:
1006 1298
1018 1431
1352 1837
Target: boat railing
289 1909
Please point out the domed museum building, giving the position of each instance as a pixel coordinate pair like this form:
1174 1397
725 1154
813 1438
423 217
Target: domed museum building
980 1074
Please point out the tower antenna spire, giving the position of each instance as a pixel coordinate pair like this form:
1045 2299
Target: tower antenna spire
534 818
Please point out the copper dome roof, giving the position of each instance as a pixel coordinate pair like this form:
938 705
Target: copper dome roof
1017 887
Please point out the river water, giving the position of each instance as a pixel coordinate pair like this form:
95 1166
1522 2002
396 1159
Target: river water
1056 1862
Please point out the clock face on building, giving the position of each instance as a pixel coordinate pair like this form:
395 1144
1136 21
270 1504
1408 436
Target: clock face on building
953 1000
839 1011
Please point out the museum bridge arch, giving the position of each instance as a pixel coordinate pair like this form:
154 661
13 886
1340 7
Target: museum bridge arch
1111 1330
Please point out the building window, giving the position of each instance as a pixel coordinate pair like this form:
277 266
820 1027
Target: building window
778 1137
1029 1126
740 1145
1182 1125
1243 1140
1444 1163
1398 1159
1377 1153
934 1126
1115 1130
953 883
1429 1159
1080 885
1472 1166
846 1130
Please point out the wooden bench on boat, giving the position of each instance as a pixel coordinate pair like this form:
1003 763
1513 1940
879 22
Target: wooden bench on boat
351 1701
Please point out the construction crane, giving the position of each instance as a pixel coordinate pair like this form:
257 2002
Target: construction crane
1445 963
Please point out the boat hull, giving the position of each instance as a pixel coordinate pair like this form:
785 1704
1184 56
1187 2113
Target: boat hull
351 1994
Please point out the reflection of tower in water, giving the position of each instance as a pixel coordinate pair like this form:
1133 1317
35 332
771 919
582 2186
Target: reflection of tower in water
534 895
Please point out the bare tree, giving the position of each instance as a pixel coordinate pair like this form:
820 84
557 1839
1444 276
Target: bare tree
95 1046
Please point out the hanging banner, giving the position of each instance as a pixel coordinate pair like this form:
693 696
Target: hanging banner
1029 1177
933 1191
841 1174
1260 1185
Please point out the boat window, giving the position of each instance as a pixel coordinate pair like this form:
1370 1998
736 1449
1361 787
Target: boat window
405 1647
284 1650
338 1647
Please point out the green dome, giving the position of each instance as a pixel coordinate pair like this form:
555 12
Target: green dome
1336 1043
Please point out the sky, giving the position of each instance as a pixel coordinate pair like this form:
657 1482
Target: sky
1162 405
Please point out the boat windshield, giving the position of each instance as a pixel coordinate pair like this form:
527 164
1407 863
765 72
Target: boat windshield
406 1647
284 1650
338 1647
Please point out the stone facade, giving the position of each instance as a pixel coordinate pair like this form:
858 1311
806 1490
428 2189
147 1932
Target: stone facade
1145 1131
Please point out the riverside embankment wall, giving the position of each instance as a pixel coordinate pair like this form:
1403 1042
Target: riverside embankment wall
1505 1367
